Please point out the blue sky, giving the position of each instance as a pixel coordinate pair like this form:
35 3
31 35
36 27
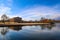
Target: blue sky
31 9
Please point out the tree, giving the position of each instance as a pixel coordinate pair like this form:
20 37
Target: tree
4 17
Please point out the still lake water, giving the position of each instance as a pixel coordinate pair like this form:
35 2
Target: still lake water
38 32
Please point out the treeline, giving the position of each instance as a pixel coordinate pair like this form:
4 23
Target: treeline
40 21
5 18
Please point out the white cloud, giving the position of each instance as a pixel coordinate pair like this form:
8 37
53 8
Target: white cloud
34 13
40 11
4 10
5 7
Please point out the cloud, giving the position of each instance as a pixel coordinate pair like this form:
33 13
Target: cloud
4 10
32 13
5 7
35 13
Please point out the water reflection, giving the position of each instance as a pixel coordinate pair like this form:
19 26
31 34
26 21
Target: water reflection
4 30
47 26
37 32
17 28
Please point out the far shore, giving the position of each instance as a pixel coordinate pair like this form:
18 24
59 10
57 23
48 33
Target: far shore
23 24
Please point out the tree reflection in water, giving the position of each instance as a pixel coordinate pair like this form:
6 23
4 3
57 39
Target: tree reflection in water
4 30
47 26
17 28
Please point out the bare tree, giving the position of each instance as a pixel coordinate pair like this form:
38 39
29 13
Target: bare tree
4 17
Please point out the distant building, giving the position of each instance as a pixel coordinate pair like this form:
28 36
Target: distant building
16 19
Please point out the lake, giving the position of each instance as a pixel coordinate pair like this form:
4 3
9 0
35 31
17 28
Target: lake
37 32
